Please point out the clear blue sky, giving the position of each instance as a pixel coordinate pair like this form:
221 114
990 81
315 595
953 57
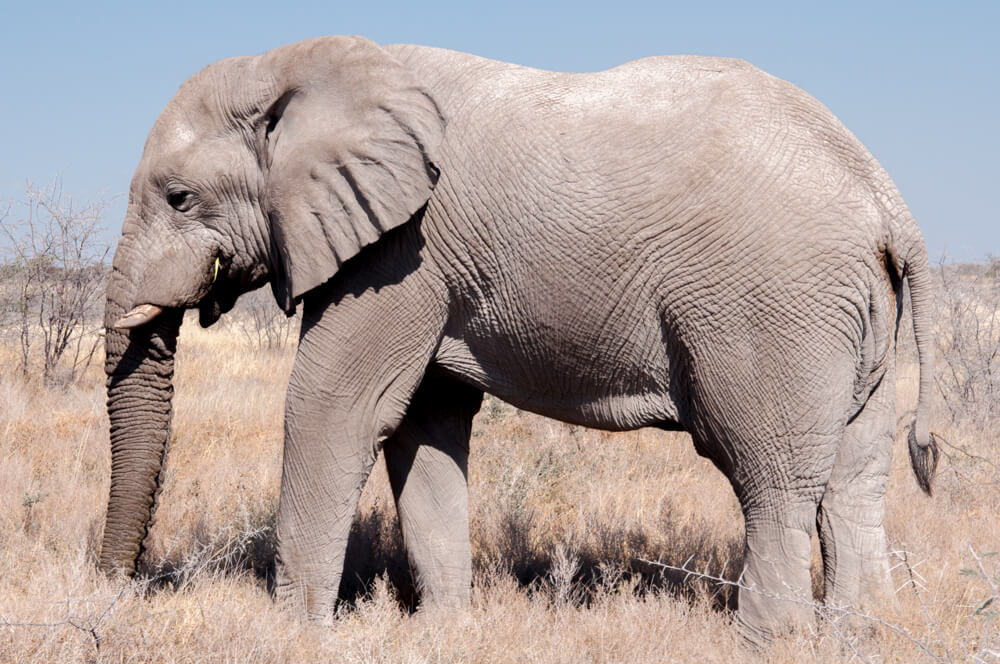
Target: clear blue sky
918 82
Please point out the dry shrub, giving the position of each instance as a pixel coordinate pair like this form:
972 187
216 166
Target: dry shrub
263 326
52 275
968 378
561 517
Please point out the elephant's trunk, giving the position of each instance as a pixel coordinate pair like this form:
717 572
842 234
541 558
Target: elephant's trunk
140 367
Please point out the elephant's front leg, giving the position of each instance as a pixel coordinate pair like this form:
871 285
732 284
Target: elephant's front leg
328 456
427 460
358 364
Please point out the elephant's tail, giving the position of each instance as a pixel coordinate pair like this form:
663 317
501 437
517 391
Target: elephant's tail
909 254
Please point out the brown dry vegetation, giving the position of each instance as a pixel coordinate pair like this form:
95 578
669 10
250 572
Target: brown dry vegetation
562 519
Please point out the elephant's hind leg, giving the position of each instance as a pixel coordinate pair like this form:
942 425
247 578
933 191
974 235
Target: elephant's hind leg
427 460
850 520
776 592
779 478
775 436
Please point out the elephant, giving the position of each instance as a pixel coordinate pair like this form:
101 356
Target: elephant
679 242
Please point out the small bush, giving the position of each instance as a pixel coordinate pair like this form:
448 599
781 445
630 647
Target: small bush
52 278
262 324
968 339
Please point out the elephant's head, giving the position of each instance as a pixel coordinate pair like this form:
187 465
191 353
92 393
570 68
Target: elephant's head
276 167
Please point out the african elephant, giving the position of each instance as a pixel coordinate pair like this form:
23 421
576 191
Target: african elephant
679 242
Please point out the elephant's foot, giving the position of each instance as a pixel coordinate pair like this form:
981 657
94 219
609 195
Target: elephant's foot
856 566
312 547
775 594
855 554
316 600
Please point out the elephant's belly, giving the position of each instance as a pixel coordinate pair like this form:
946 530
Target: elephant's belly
624 388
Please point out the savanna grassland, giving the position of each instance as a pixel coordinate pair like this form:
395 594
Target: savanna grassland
564 520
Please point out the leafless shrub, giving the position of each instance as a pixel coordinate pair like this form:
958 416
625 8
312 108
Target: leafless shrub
52 275
565 567
261 323
968 338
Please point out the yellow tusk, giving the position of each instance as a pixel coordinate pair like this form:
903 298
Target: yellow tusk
215 274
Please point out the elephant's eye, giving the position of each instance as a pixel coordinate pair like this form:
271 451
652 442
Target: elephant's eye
182 201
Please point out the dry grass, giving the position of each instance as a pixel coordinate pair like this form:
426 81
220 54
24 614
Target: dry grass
561 517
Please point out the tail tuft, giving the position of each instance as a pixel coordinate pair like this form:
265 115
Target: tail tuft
924 459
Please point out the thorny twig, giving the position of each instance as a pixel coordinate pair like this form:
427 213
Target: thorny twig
830 612
917 586
87 625
994 584
208 556
974 457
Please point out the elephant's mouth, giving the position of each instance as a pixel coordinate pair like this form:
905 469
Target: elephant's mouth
220 299
212 307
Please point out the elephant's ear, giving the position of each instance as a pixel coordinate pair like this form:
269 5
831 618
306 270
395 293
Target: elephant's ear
347 153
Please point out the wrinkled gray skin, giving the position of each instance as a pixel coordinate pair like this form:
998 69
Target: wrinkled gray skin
680 242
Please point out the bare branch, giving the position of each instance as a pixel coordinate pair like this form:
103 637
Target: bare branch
831 614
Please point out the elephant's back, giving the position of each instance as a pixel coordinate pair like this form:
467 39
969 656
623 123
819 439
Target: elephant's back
683 122
649 87
685 159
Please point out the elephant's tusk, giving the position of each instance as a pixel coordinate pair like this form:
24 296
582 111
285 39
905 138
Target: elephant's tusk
215 273
139 315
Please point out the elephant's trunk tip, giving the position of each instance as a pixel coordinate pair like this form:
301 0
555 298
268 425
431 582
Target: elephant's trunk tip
114 569
923 457
138 316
